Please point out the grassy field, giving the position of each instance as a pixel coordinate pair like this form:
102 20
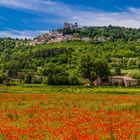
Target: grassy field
67 89
41 112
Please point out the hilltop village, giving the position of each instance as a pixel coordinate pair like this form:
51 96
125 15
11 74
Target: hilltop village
55 36
63 35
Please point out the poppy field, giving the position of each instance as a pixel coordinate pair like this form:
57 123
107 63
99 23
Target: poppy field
69 116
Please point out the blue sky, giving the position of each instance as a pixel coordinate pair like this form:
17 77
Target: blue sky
28 18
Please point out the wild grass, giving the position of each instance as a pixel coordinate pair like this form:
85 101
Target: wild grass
68 89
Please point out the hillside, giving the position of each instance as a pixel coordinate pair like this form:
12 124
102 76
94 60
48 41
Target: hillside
31 64
99 34
111 33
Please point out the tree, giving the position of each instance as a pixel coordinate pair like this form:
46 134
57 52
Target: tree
91 68
86 68
117 71
101 68
56 75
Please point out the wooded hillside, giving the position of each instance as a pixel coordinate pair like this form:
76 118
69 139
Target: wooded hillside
58 63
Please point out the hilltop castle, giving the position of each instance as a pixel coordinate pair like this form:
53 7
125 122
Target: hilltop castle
70 26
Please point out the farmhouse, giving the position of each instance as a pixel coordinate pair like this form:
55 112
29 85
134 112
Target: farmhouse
116 81
123 81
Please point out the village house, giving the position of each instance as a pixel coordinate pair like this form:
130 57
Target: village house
116 81
68 37
123 81
56 37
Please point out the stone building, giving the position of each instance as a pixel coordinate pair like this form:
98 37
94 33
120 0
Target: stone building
70 26
68 37
116 81
123 81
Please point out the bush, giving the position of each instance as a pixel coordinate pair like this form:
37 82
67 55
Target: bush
56 75
44 80
74 78
58 79
36 80
28 79
135 75
3 77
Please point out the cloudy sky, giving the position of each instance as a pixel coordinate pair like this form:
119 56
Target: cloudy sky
28 18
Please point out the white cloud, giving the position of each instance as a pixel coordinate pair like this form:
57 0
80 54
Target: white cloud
129 18
21 34
85 16
46 6
16 4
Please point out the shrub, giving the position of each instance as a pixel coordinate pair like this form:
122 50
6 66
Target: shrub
44 80
28 79
36 80
3 77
